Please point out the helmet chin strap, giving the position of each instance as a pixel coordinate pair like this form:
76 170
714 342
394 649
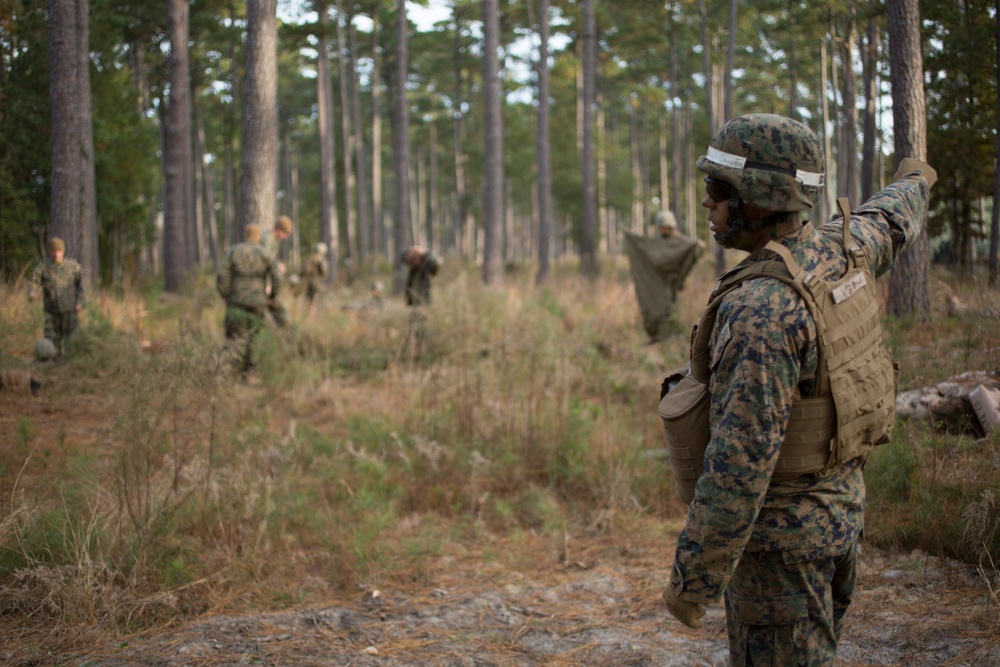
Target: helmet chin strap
740 221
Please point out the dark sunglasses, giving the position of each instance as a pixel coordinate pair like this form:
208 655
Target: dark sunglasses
718 191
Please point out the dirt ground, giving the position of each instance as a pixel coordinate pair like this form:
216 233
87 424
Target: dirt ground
603 609
597 605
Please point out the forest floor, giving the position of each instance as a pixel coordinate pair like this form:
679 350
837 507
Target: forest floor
583 601
602 609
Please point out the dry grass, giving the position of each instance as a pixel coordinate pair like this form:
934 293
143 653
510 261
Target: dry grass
516 441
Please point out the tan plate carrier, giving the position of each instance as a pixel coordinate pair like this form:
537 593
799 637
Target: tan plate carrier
853 408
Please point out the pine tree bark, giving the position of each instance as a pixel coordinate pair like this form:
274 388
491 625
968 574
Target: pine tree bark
328 221
63 92
379 237
994 261
348 239
493 148
869 128
588 241
177 159
543 146
908 293
848 158
89 232
259 173
364 225
465 234
401 144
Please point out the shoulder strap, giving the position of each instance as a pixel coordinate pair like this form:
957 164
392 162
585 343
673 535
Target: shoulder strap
785 269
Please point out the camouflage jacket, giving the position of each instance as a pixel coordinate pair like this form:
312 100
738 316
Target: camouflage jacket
316 268
418 281
273 245
61 285
763 354
244 275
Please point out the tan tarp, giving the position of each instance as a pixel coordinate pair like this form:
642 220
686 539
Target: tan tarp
659 267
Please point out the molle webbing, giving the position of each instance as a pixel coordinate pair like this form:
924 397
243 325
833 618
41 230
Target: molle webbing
853 408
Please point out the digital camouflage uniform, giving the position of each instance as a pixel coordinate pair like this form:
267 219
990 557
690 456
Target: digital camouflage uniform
314 273
418 296
62 289
275 306
782 553
242 281
418 281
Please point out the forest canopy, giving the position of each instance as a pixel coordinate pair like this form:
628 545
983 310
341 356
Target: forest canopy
665 75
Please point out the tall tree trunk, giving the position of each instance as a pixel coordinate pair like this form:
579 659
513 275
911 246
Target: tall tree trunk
869 64
706 51
463 224
197 214
706 48
89 229
432 186
208 179
908 290
348 240
64 89
730 56
63 92
994 265
693 185
230 235
401 144
793 63
416 168
543 147
293 192
608 237
848 159
230 204
493 147
665 202
177 161
829 194
588 241
635 160
258 180
329 226
381 242
676 155
364 230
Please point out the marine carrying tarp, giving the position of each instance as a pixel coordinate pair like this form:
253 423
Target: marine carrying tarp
659 266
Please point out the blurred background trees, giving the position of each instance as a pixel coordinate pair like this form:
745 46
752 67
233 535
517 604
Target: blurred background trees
363 83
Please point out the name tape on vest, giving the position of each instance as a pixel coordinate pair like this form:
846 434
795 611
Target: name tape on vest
850 288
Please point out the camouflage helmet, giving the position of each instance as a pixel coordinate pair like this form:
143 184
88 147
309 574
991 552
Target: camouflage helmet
55 243
665 219
284 224
321 248
45 349
773 162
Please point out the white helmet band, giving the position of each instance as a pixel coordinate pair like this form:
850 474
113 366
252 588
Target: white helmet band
739 162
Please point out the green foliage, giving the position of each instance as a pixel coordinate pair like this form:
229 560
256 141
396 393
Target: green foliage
912 504
961 117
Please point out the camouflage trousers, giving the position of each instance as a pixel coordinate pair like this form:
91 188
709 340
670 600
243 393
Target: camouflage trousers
278 312
59 326
242 325
788 614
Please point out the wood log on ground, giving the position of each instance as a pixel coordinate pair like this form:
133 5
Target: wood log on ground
947 403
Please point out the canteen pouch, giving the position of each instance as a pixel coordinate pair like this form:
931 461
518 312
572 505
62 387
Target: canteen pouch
684 410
